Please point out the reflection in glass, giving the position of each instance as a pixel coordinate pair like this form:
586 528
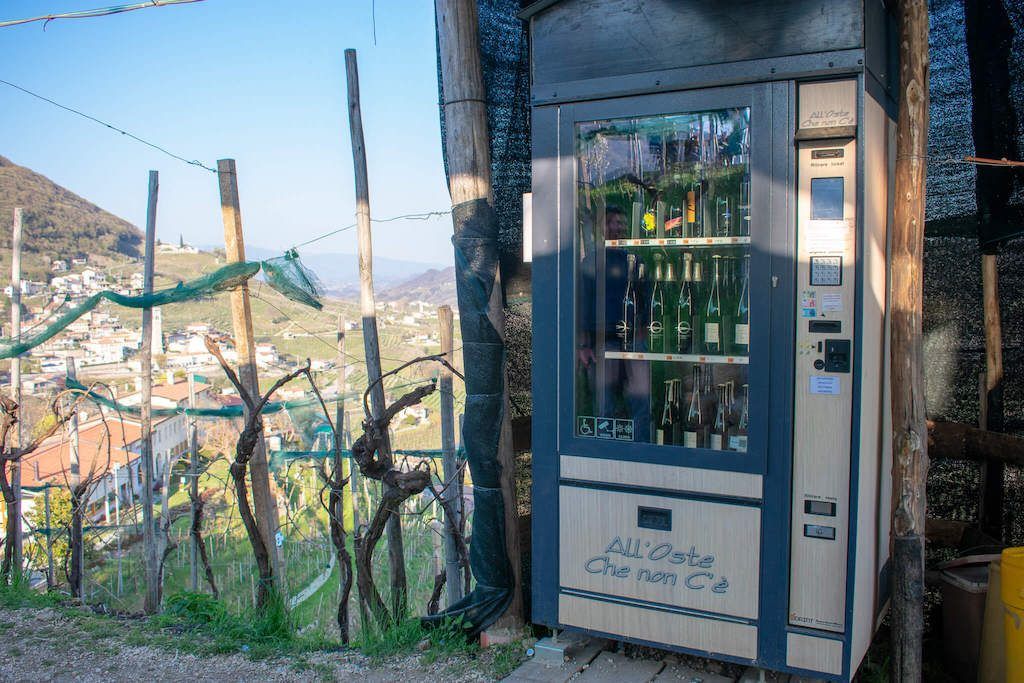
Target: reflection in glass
663 218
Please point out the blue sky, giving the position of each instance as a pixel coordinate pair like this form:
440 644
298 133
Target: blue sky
259 81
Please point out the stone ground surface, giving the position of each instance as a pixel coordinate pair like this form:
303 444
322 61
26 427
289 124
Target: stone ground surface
53 644
596 661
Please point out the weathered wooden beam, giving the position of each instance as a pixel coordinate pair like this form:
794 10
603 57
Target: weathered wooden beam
909 437
947 533
956 441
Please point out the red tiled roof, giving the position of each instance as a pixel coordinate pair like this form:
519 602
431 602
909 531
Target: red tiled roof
94 456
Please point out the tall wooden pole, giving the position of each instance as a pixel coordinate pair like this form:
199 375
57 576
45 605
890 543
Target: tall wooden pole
193 483
469 169
241 319
340 425
990 505
396 551
453 575
76 577
910 437
51 577
14 511
151 604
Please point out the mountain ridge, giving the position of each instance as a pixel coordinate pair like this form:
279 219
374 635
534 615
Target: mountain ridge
57 224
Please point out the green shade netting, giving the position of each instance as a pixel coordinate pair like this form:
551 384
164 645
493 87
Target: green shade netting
279 458
285 275
226 411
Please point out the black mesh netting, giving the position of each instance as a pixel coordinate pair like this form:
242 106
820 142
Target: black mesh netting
488 239
953 315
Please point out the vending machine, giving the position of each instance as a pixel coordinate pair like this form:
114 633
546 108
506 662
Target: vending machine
711 197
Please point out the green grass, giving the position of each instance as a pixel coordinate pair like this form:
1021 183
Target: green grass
207 626
19 593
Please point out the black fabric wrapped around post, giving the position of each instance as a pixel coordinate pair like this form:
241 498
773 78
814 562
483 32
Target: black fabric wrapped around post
483 350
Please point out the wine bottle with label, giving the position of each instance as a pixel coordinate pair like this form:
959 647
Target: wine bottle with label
693 431
684 308
627 324
718 429
656 329
744 219
741 324
713 311
723 216
671 291
738 437
669 416
698 296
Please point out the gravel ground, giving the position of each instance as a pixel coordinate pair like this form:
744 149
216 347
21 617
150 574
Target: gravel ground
63 644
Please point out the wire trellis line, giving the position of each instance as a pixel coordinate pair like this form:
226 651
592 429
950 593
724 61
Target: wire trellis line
92 13
153 145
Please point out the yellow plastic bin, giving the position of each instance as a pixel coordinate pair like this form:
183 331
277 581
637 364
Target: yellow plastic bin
1013 606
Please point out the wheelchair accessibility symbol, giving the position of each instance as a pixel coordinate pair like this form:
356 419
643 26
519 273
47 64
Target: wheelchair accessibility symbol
585 426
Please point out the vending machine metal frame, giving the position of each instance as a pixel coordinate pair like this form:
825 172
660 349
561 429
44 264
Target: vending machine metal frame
577 480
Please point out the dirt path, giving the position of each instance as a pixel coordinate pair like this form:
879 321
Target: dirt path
68 644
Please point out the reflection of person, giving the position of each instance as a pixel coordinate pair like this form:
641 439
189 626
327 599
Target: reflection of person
620 388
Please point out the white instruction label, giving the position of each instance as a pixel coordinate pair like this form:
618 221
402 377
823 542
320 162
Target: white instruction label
823 384
832 301
710 333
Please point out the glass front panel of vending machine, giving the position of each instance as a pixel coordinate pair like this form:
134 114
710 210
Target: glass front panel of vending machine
663 282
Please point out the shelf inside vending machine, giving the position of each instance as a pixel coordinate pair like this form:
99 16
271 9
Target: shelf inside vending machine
679 241
677 357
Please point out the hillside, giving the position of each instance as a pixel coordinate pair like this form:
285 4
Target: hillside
58 224
433 286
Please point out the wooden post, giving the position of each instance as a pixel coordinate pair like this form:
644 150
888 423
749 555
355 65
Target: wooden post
241 318
76 543
469 170
14 511
990 506
453 578
193 483
117 523
910 439
51 578
339 425
151 604
396 552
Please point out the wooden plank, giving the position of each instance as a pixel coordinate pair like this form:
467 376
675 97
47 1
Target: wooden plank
676 671
651 35
708 482
537 671
605 551
698 633
609 667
